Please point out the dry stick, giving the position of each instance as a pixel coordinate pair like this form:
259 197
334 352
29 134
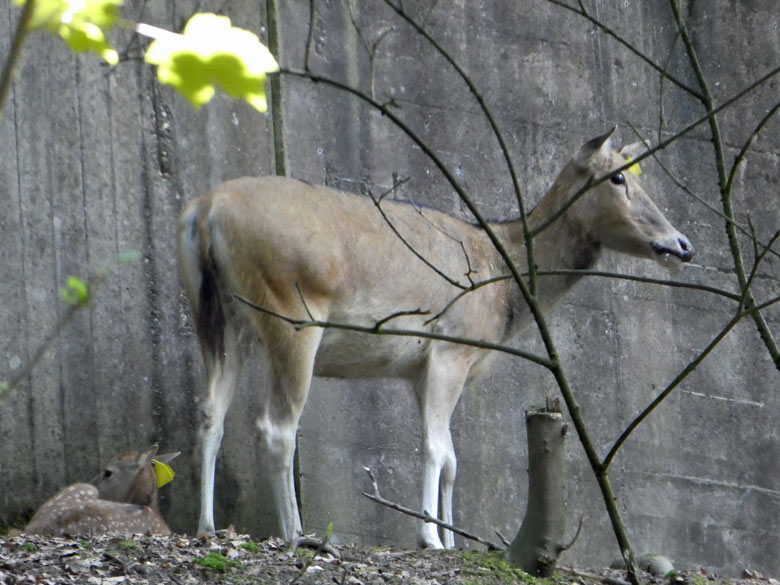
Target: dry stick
748 143
310 37
376 497
725 186
661 117
593 576
370 49
70 312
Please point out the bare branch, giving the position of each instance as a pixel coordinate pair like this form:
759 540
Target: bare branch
425 516
748 143
664 73
16 49
660 146
668 390
493 126
376 329
309 37
725 191
378 203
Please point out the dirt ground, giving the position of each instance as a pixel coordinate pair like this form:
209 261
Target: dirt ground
234 559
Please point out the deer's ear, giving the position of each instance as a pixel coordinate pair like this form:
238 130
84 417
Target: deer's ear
593 145
631 151
167 457
146 456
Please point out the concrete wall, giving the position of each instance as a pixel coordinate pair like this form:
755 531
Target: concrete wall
101 161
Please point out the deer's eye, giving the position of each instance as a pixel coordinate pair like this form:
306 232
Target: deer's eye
618 179
107 473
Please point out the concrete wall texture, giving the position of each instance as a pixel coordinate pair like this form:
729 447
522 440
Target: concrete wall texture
97 161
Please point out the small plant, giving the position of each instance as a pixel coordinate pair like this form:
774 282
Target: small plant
130 546
29 547
216 562
250 546
304 553
495 563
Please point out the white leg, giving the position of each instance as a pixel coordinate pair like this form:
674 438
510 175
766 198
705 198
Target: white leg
438 393
222 381
447 483
279 443
292 361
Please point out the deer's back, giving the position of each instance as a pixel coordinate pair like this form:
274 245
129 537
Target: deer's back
77 509
304 250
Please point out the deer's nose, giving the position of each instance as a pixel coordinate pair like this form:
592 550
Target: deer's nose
688 251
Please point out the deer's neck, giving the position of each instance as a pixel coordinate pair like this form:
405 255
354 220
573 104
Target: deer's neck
565 245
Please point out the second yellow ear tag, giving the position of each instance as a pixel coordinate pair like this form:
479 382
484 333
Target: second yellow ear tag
634 168
164 472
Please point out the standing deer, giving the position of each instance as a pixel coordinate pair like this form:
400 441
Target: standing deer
120 500
312 253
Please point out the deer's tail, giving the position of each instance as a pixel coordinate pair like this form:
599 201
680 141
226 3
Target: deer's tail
201 278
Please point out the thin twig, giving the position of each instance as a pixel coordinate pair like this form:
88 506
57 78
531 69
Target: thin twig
690 193
748 143
16 50
661 117
565 547
376 329
668 390
309 38
585 14
425 516
493 126
725 192
593 576
378 203
660 146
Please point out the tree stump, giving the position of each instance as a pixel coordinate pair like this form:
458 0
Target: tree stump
539 541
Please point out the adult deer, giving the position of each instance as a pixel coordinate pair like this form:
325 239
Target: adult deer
310 252
122 499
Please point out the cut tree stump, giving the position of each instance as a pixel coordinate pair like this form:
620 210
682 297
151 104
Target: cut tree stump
539 541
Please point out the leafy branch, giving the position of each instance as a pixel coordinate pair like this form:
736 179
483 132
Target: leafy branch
208 53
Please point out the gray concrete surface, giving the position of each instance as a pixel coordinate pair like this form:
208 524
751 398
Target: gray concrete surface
99 161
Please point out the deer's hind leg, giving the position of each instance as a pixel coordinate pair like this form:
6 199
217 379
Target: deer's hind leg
291 361
223 375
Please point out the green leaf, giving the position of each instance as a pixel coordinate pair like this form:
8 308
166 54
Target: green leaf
211 52
75 292
82 23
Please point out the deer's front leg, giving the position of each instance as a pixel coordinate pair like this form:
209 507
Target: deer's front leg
438 393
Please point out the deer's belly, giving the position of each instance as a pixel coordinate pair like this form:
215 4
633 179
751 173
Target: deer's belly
347 354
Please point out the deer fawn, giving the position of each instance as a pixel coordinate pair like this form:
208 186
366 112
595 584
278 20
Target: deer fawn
310 252
121 500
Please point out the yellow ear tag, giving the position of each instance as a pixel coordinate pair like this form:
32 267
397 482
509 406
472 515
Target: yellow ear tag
164 472
634 169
